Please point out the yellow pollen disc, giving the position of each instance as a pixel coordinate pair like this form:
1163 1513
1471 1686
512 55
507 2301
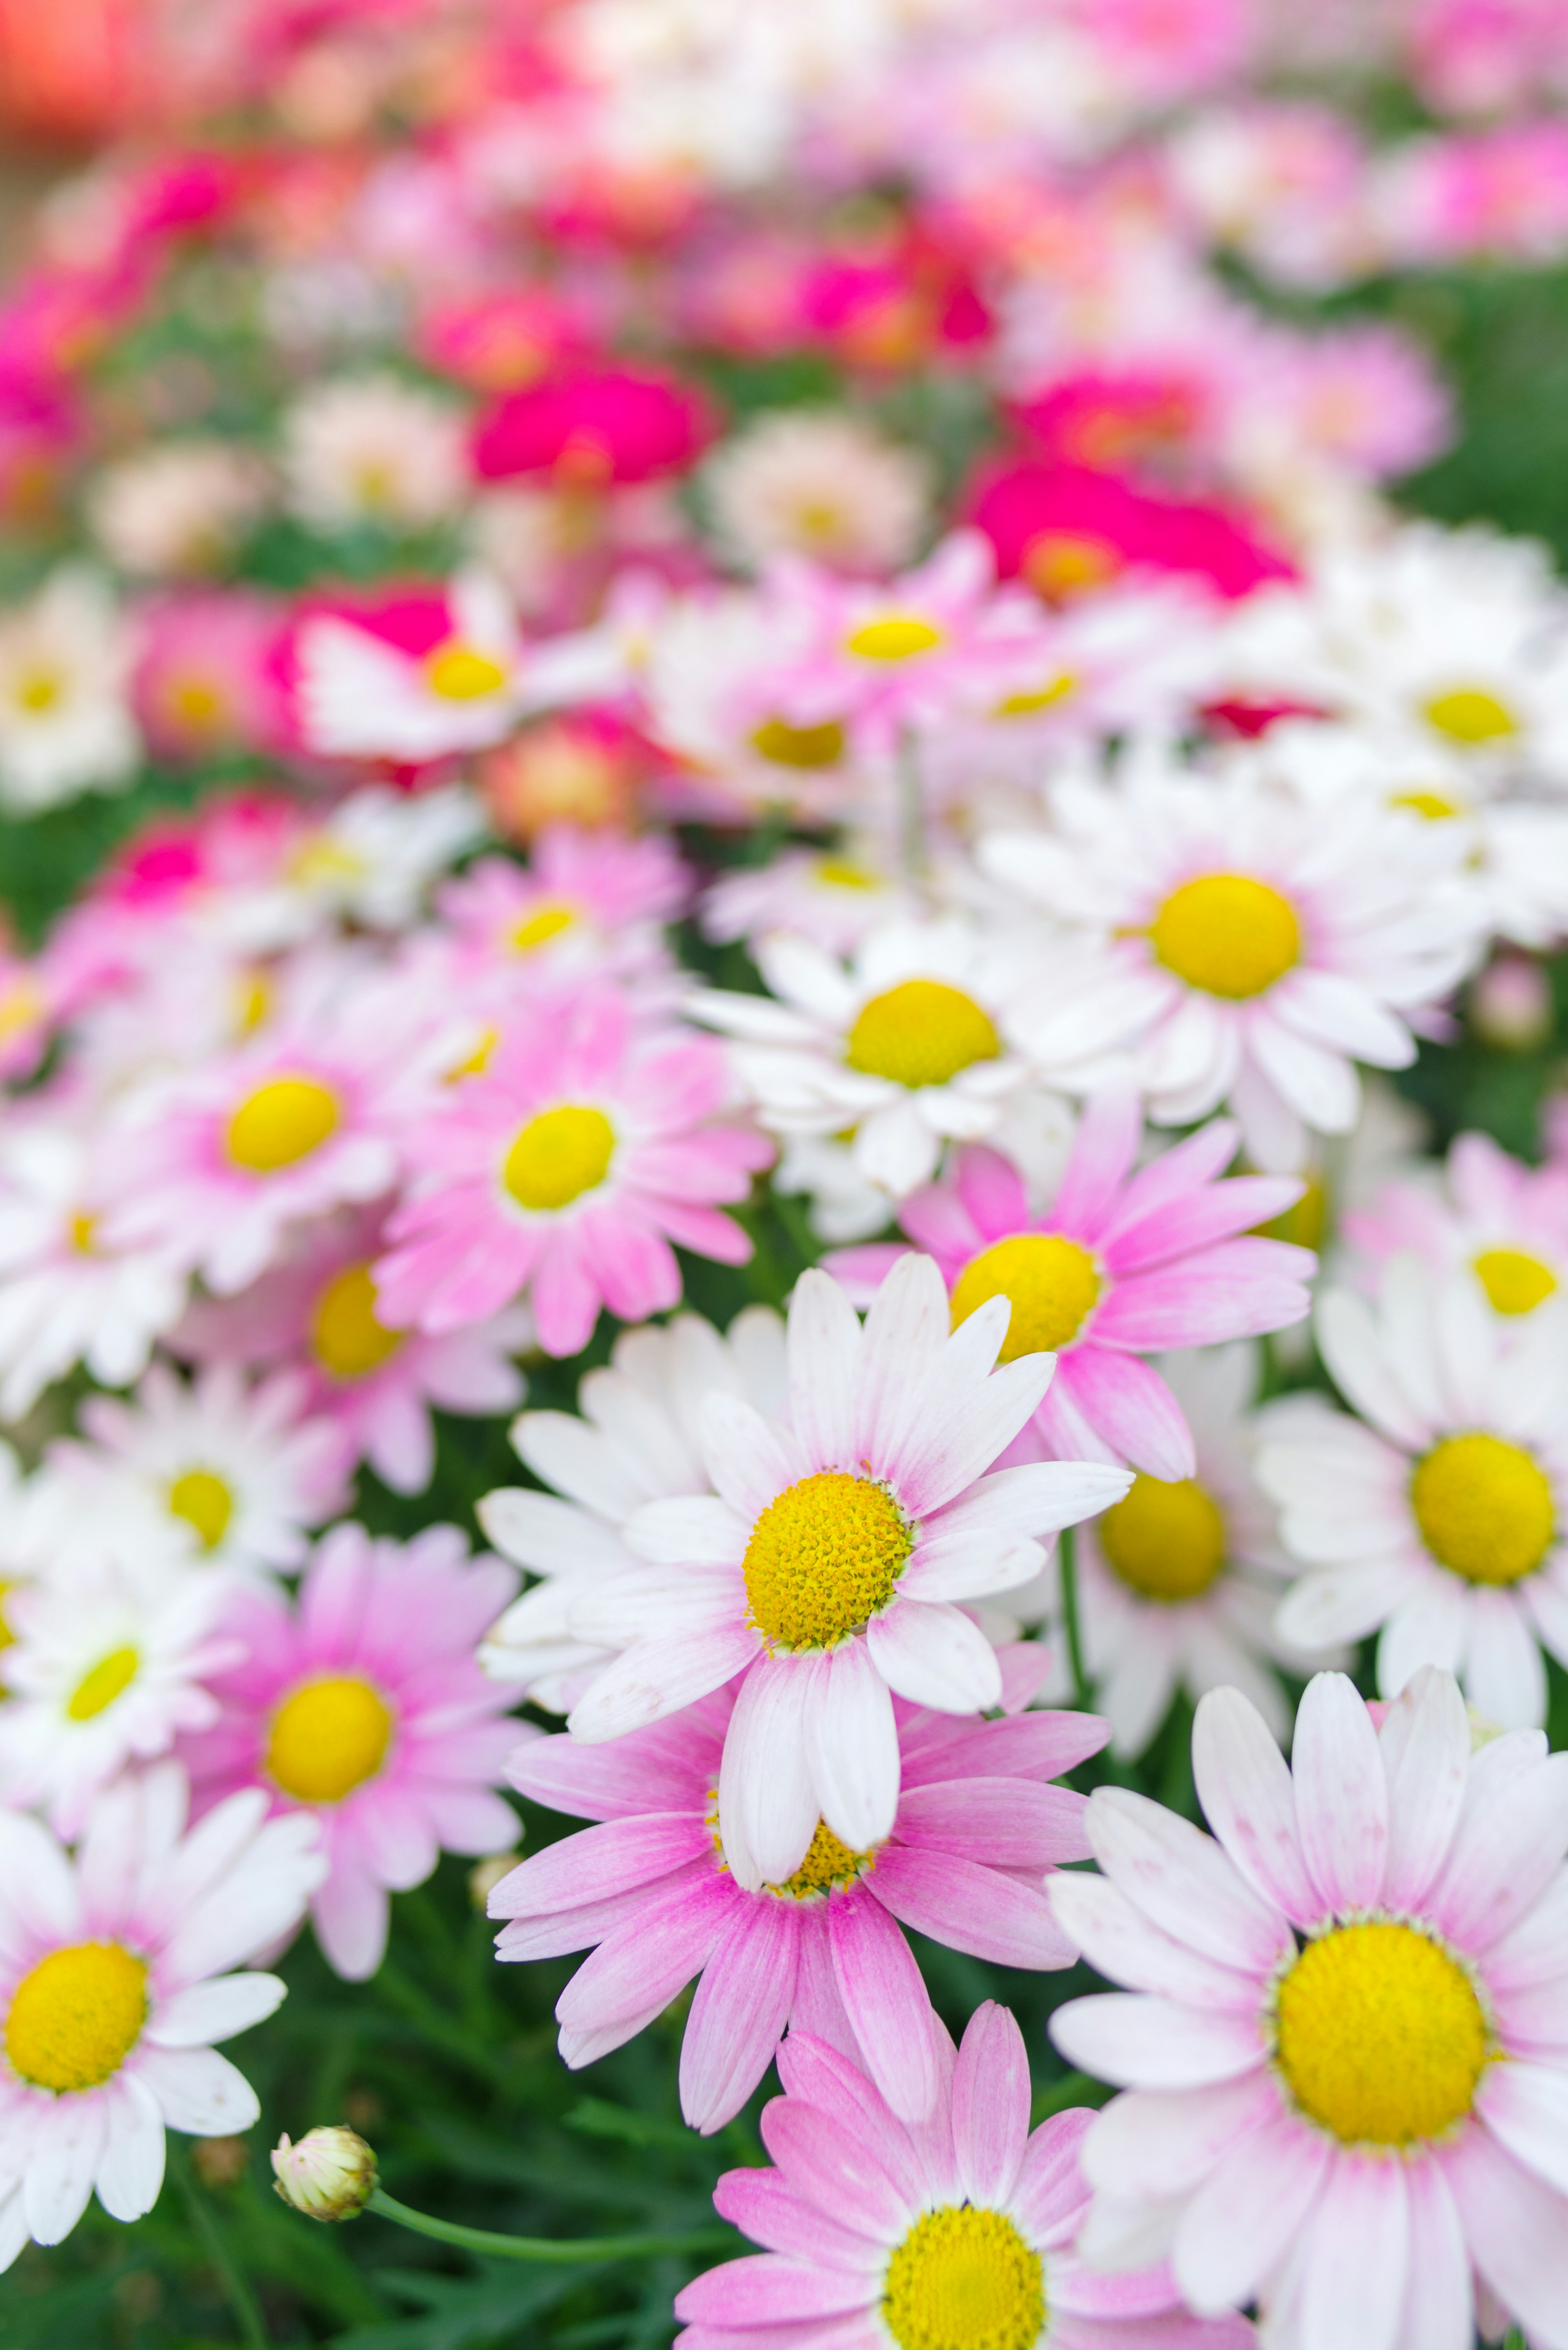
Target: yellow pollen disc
97 1690
83 1231
348 1340
836 873
539 928
328 1739
557 1157
206 1501
197 700
20 1006
964 2279
76 2018
478 1060
1051 1284
1165 1541
1484 1507
799 746
824 1558
458 673
1470 715
1380 2035
899 637
1434 806
1060 564
1044 697
253 1002
830 1867
1227 934
1515 1283
281 1123
1305 1224
39 690
920 1032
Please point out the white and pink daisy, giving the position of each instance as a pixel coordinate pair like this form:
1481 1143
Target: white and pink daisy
116 1979
1438 1518
835 899
178 509
586 903
374 449
584 1147
1120 1264
368 862
1253 946
1348 2099
954 2234
316 1313
833 1564
650 1892
360 1704
1502 1221
820 483
65 722
638 1439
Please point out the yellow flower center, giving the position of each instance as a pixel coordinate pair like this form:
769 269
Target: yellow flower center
964 2279
1043 697
1434 806
76 2018
1050 1283
198 700
897 637
253 995
1061 563
824 1558
1485 1508
838 873
1165 1541
1227 934
830 1867
458 673
328 1739
557 1157
84 1232
97 1690
1470 714
8 1583
349 1341
1381 2037
920 1032
39 690
323 862
536 929
206 1501
1515 1283
21 1006
281 1123
1305 1223
799 746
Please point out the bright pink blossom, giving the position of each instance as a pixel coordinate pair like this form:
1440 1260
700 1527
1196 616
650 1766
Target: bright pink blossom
1068 528
594 426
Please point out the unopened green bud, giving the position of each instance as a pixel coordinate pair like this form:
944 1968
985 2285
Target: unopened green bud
330 2175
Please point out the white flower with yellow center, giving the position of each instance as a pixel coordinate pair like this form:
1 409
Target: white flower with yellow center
832 897
638 1439
373 451
1256 947
833 1562
916 1044
177 510
115 1982
105 1668
1485 1214
66 725
818 483
1438 1518
369 862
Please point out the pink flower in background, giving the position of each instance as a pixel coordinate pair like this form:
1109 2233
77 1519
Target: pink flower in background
586 903
1505 1223
1070 529
360 1703
567 1167
204 682
877 2229
591 427
501 341
975 1830
1122 1263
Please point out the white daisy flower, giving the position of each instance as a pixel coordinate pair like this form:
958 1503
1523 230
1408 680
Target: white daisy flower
1436 1519
833 897
916 1044
228 1472
106 1983
371 449
65 722
818 483
833 1564
369 862
177 510
105 1668
1259 946
638 1439
361 697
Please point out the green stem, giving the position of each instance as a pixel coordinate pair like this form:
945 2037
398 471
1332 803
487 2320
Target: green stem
544 2248
1067 1567
242 2301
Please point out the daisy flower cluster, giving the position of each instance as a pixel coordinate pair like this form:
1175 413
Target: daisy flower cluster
784 1153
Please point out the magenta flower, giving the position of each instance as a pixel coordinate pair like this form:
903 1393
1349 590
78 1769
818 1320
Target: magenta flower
960 2232
567 1167
361 1704
1120 1265
976 1830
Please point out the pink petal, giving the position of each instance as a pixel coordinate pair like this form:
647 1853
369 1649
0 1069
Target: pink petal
1342 1795
1248 2211
993 1192
762 2289
1184 1881
1104 1148
1244 1786
1143 2042
637 1970
991 2105
1132 1408
763 2206
1515 2227
980 1910
1426 1744
886 2000
833 2167
739 2015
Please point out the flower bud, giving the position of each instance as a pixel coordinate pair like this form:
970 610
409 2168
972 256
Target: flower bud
330 2175
486 1874
1511 1005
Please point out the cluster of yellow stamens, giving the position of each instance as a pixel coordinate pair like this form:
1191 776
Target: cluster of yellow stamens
281 1123
77 2016
206 1503
558 1156
345 1334
1227 935
1166 1542
1514 1282
328 1739
1379 2033
102 1683
920 1032
964 2279
824 1557
1051 1283
1485 1508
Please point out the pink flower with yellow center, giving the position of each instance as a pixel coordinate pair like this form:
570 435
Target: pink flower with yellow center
586 903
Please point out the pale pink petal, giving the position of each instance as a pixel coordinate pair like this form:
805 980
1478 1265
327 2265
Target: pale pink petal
905 1331
990 2105
1426 1745
851 1743
1506 1849
130 2171
824 1345
1122 1944
933 1654
1515 2227
1244 1785
739 2013
955 1900
887 2003
1526 2107
768 1806
1143 2042
1342 1796
1439 2303
1184 1881
659 1677
350 1913
1248 2211
1156 2146
62 2163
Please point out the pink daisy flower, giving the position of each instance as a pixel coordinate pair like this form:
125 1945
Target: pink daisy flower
106 1983
1118 1264
360 1703
377 1385
833 1563
652 1888
567 1168
586 903
959 2232
1348 2087
1501 1222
